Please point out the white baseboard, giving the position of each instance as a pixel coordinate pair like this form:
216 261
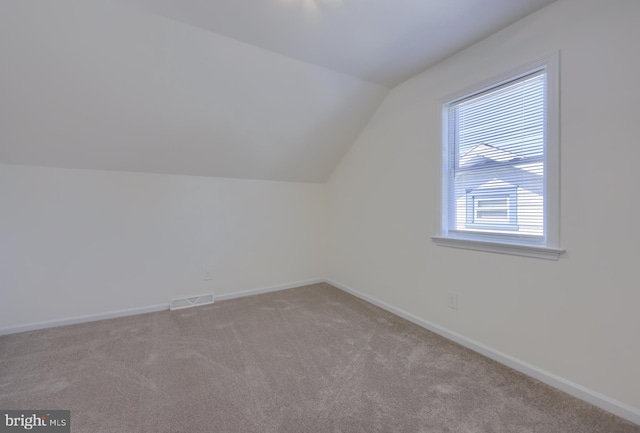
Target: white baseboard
251 292
600 400
147 309
83 319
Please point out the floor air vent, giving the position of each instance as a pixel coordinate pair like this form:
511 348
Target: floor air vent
194 301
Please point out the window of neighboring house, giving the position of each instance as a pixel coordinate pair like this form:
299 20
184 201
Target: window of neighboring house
500 165
492 208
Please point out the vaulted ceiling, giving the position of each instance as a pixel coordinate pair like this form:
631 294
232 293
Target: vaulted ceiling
382 41
259 89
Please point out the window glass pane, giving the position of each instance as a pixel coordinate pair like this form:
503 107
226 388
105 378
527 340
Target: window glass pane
503 124
496 143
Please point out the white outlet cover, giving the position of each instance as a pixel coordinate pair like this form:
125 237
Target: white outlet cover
452 300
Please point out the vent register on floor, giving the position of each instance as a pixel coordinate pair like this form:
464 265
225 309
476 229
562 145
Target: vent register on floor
178 304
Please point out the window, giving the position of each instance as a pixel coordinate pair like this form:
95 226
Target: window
492 208
500 165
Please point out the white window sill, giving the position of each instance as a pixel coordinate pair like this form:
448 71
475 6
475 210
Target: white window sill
500 248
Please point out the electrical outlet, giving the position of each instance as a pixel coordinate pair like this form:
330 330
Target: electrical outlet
208 275
452 300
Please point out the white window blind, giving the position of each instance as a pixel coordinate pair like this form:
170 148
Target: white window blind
496 165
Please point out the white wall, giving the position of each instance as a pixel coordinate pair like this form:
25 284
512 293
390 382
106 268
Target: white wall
81 242
577 317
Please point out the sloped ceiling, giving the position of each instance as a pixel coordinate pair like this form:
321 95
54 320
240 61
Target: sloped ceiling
269 89
382 41
102 86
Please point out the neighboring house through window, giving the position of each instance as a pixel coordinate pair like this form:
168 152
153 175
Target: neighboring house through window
500 164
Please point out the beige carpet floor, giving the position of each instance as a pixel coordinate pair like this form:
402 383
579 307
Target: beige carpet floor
310 359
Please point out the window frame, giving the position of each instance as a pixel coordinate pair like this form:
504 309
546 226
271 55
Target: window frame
549 246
